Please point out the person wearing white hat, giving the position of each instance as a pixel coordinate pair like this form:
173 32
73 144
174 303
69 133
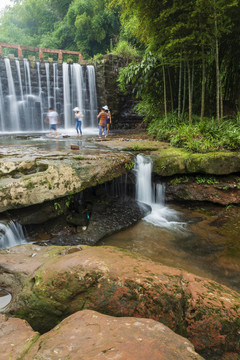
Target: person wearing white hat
109 119
78 116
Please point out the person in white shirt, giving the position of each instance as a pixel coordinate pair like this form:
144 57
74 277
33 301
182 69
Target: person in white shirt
53 119
79 117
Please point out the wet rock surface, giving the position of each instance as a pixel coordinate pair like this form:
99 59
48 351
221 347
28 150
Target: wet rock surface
54 282
106 218
218 190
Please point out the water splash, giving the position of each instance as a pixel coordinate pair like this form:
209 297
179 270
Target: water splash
11 235
154 195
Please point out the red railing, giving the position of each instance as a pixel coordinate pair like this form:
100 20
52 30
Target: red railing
40 51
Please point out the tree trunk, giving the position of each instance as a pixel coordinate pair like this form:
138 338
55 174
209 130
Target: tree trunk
192 82
217 65
189 93
184 88
170 87
180 88
164 91
221 98
203 83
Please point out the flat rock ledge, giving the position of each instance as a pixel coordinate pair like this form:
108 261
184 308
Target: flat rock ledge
89 335
32 176
49 284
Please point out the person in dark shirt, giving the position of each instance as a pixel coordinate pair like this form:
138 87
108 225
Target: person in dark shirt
102 122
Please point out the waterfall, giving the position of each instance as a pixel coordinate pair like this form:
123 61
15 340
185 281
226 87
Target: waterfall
13 113
11 235
27 90
153 195
40 94
2 128
67 98
92 95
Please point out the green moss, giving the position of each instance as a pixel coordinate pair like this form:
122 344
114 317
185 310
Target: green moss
29 185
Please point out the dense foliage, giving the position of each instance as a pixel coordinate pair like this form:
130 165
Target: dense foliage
191 66
81 25
183 57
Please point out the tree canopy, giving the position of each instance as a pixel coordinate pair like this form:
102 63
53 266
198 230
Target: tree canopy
81 25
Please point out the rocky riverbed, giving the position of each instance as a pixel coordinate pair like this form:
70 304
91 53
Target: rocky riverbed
58 194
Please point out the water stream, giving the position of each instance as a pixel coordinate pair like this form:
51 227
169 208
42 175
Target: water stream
11 234
153 195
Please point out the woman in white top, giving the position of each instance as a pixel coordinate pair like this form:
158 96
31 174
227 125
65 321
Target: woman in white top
78 116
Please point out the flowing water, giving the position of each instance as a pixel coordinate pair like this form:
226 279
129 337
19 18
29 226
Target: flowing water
26 94
189 239
11 234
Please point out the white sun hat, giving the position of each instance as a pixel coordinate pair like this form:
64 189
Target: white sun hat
76 109
105 107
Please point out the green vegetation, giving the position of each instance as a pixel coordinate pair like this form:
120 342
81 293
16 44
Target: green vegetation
80 25
129 165
210 180
187 80
182 58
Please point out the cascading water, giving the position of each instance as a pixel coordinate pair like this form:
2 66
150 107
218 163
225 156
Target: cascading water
153 195
27 90
92 95
12 108
11 235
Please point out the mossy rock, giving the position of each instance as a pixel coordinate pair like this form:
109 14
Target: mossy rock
171 161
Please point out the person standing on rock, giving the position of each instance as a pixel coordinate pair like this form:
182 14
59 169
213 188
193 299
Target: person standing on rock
53 119
109 119
78 116
102 122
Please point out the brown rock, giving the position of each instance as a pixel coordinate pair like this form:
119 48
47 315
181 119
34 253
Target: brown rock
89 335
16 336
74 147
121 283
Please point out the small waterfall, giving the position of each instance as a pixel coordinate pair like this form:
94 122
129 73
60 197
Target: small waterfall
78 88
67 96
28 82
11 235
153 195
48 84
12 100
55 85
92 95
40 93
2 128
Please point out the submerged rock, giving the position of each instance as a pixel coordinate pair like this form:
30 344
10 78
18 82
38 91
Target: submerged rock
49 284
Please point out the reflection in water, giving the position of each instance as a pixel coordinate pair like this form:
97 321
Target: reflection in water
5 298
201 250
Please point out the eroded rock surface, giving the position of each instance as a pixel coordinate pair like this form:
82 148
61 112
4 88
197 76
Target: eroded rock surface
89 335
55 282
31 175
16 337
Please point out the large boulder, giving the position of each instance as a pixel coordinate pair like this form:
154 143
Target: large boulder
16 337
54 282
31 175
89 335
171 161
